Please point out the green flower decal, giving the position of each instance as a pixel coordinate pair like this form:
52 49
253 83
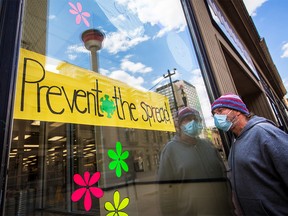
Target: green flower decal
115 210
118 158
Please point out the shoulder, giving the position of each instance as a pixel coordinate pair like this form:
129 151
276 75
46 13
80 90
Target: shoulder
271 136
171 145
269 129
259 125
206 142
206 145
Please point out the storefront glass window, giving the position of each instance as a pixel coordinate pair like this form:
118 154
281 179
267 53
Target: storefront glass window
231 34
95 108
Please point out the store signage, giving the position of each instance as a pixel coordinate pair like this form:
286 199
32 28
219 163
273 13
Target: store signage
74 95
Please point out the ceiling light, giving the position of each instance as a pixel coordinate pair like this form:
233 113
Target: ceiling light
55 138
31 146
36 123
25 137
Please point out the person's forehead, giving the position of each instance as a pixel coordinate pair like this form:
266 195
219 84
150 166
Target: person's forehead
220 110
217 109
191 117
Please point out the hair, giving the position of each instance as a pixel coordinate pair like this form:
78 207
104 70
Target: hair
250 115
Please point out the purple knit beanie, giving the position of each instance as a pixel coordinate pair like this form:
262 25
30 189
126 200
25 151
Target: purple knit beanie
182 113
230 101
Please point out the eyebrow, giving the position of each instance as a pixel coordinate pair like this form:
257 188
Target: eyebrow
217 110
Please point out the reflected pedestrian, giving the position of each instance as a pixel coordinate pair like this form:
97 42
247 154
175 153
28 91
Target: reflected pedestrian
191 172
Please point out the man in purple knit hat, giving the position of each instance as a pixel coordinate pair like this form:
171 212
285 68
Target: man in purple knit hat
258 159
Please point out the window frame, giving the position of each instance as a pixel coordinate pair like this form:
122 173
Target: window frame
10 25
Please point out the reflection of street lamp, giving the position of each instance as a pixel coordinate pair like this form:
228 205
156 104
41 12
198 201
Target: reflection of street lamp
93 39
184 98
169 75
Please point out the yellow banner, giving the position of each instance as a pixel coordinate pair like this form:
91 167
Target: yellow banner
70 94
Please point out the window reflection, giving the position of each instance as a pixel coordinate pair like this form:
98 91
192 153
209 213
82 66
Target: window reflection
45 156
141 42
191 171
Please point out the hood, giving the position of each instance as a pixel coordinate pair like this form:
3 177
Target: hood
254 121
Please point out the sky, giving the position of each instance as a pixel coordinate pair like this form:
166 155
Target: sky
144 39
146 25
270 18
140 43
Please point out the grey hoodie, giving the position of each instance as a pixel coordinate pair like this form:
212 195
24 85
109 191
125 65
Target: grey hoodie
259 168
194 179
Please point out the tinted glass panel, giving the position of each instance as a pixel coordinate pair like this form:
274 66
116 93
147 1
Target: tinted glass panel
99 86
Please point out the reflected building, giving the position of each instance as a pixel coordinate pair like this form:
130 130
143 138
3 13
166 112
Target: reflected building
185 95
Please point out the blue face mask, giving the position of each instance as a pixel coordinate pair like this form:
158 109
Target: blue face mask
221 122
192 128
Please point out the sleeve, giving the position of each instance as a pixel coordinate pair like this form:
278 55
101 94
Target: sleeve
165 166
214 161
167 190
277 147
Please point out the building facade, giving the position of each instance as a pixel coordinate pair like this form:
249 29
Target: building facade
185 94
81 128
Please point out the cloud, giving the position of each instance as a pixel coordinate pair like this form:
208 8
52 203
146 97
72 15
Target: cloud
52 17
285 50
253 5
104 71
121 17
130 16
121 41
75 49
158 80
167 14
161 81
72 57
285 82
135 82
133 67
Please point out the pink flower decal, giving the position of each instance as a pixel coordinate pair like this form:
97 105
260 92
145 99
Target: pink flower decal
86 184
79 14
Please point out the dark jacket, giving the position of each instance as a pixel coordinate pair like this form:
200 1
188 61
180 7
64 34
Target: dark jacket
194 177
259 168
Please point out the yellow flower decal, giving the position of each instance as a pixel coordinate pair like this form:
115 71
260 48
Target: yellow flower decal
116 209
